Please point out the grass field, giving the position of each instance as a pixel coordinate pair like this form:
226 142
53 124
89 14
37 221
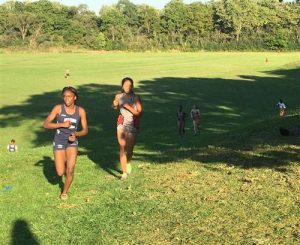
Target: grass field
237 182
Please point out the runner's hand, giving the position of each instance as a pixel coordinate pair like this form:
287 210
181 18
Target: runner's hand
116 101
72 137
67 124
118 96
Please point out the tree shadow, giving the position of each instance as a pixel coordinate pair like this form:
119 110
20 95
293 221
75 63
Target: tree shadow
238 115
21 234
100 145
49 171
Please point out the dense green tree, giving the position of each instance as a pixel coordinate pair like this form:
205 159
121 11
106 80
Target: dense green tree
149 21
25 23
235 16
129 11
278 23
214 25
4 23
113 25
199 23
174 21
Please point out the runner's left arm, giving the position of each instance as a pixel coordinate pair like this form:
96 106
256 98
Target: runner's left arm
135 111
84 125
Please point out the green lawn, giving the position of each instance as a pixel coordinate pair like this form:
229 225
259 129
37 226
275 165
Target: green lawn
237 182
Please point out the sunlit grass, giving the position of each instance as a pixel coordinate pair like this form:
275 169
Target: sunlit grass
237 182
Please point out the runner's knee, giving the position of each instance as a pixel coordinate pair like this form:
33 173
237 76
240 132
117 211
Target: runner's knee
60 172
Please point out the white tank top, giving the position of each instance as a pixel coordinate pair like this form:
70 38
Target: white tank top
128 116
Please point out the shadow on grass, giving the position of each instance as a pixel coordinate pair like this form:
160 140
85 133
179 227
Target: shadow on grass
21 234
237 117
49 171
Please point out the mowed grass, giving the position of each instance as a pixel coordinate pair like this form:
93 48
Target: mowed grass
237 182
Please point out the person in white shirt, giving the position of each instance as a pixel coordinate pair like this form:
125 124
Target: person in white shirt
12 147
195 115
281 107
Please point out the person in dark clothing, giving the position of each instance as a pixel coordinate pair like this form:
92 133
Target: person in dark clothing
289 132
65 145
181 115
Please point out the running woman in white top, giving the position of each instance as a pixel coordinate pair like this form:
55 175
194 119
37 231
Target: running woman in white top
281 107
128 123
195 115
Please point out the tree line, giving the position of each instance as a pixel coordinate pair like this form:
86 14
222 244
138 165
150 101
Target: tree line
215 25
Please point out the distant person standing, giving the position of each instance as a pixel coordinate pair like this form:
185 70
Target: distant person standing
181 115
281 107
12 146
195 115
65 145
67 73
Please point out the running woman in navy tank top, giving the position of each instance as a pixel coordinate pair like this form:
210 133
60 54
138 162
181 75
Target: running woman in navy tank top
61 138
65 144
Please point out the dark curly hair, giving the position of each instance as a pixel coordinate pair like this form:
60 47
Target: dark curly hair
71 89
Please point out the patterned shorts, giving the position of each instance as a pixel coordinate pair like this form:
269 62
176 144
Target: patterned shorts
62 144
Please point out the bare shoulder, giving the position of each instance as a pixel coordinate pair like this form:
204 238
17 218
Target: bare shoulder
81 110
118 95
57 108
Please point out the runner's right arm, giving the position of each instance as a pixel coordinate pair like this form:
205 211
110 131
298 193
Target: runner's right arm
115 103
48 124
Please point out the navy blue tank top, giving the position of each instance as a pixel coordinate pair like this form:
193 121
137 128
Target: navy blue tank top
64 133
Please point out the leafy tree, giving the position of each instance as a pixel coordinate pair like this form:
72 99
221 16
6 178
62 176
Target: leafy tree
101 40
173 21
25 23
4 23
215 25
200 22
130 12
149 21
113 23
235 16
277 23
